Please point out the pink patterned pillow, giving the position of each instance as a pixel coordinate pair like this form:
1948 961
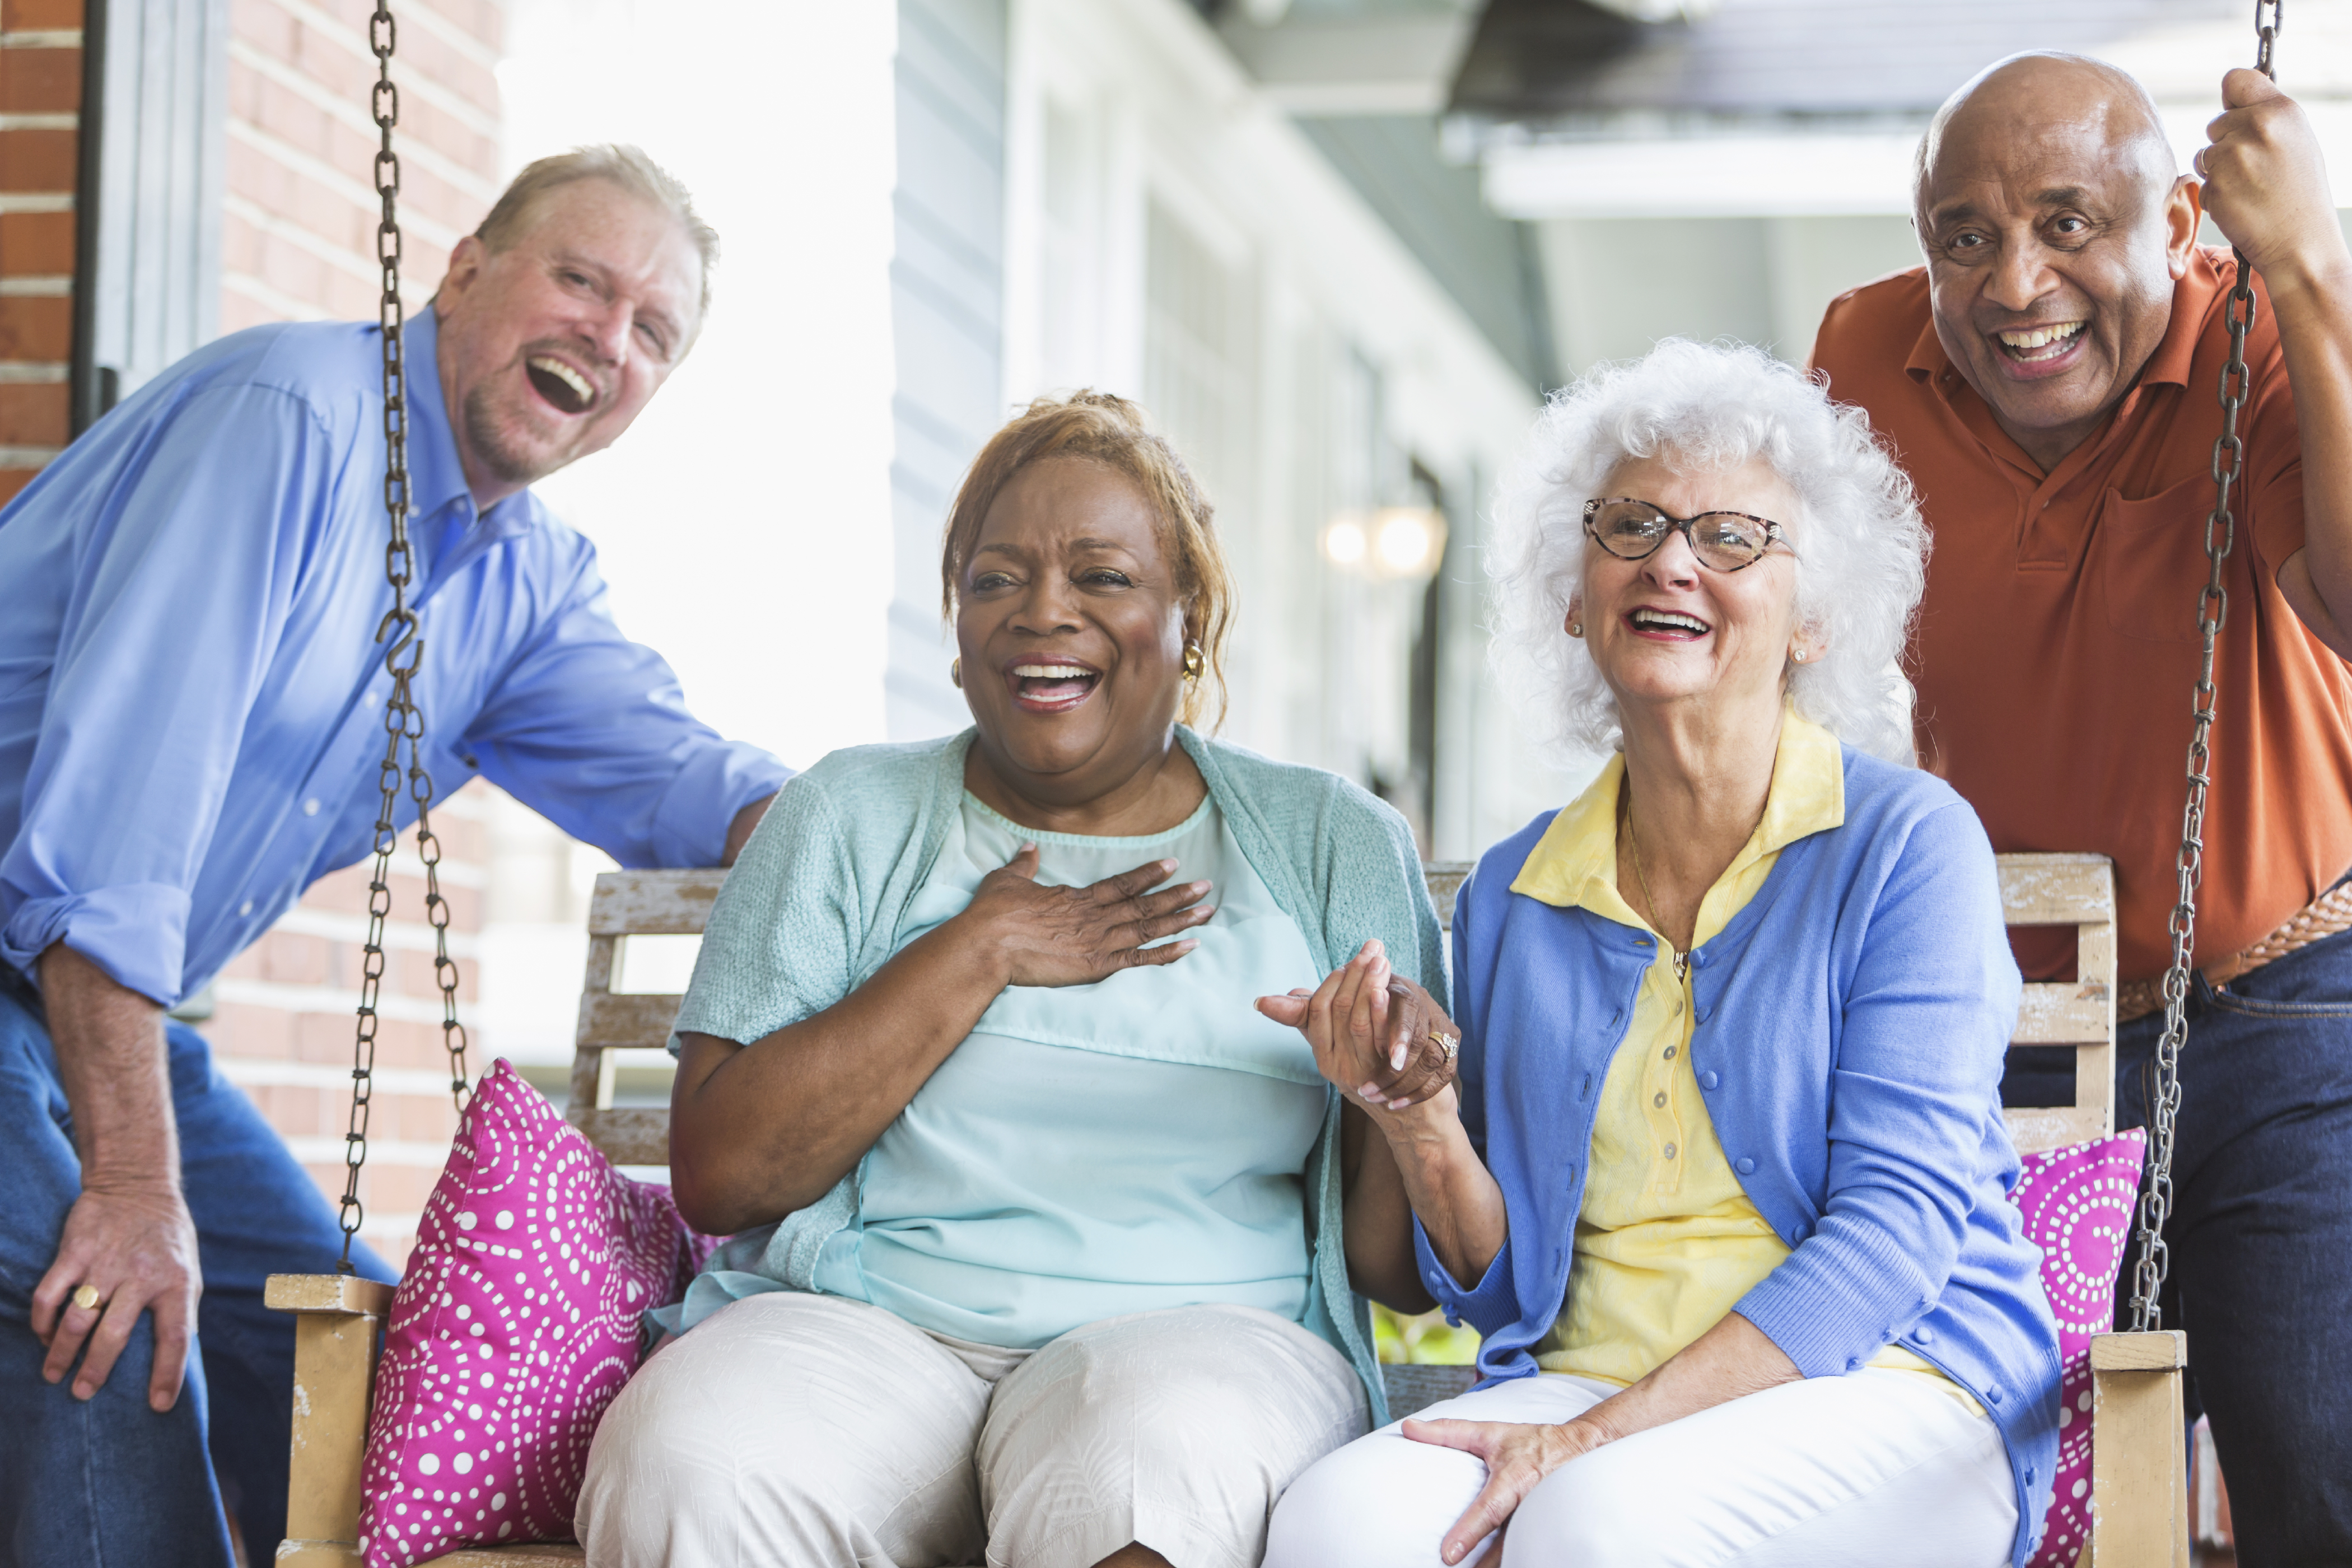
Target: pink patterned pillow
514 1326
2077 1202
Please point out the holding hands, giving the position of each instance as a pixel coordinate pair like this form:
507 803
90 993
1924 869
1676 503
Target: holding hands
1381 1039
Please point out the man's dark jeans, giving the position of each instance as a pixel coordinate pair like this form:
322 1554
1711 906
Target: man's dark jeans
108 1479
2260 1237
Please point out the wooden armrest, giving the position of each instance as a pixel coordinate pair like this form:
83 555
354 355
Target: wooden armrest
327 1293
338 1319
2139 1451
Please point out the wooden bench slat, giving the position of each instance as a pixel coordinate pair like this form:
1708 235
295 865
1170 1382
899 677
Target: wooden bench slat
2056 889
638 1021
2038 1128
2062 1014
653 903
1444 879
630 1135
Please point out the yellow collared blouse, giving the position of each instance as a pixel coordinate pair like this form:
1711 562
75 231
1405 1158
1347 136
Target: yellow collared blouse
1667 1241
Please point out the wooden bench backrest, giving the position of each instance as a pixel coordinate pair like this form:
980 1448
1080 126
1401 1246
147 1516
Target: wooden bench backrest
2036 889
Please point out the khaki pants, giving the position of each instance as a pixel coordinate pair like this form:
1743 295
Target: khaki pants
801 1430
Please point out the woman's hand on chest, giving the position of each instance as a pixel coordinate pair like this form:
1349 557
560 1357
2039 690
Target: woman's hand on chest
1028 934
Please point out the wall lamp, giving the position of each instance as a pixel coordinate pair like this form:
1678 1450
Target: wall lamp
1393 543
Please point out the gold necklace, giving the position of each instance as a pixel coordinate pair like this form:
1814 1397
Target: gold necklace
1682 960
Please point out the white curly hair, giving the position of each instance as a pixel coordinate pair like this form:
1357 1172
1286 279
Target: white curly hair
1861 547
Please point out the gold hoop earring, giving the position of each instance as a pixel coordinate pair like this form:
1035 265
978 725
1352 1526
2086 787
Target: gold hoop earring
955 672
1194 662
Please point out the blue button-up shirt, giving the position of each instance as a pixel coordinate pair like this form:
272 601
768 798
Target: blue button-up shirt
191 691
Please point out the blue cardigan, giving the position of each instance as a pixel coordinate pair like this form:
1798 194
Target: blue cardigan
1850 1027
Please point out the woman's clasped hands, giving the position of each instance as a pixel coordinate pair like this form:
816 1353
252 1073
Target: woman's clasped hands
1382 1040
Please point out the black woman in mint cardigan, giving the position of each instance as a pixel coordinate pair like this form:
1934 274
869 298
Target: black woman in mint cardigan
1038 1224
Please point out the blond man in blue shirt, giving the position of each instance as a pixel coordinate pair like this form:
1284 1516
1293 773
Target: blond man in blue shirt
191 699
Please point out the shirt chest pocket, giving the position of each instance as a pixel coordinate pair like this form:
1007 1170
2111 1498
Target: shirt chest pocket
2151 559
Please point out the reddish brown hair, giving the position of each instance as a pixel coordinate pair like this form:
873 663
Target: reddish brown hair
1099 428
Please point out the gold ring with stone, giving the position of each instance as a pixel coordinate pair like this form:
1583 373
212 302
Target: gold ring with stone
87 1297
1446 1043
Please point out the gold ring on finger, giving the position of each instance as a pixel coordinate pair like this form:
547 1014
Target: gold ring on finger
87 1297
1446 1043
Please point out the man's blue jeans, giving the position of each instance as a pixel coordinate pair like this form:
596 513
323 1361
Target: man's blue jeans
109 1480
2260 1237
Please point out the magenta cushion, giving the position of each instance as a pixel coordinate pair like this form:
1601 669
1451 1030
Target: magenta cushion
2078 1202
514 1326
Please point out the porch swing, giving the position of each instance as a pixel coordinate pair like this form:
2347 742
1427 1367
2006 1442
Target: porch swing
2138 1515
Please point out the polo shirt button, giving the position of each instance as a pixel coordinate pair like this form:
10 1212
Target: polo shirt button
1994 1394
1707 1081
1747 1166
1669 1151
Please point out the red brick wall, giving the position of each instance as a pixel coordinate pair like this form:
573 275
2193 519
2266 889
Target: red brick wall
297 231
40 96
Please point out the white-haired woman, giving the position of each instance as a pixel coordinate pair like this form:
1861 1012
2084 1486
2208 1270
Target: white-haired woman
1724 1188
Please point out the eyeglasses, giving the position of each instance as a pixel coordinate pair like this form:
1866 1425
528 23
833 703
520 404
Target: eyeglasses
1723 541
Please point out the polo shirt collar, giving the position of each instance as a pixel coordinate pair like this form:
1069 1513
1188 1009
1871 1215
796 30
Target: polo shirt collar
1928 361
2193 296
1575 862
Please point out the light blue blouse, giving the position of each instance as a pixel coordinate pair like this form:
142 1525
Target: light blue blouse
1094 1150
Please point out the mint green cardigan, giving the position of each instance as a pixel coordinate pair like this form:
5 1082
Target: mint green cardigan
814 908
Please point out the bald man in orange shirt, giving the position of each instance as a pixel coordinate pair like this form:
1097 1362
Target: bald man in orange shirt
2049 382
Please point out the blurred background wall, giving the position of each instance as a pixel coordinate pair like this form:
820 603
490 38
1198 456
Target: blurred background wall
1340 249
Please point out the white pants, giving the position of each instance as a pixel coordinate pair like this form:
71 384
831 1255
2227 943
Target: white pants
1867 1470
795 1431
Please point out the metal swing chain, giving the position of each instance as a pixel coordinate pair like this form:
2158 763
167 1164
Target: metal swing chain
403 722
2213 611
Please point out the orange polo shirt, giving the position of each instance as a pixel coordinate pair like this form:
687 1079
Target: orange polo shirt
2057 644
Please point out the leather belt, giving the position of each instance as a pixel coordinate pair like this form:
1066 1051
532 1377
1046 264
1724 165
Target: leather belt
2325 915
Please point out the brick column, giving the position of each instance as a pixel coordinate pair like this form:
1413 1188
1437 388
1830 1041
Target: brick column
40 97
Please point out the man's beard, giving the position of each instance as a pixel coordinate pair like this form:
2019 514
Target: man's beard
494 449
